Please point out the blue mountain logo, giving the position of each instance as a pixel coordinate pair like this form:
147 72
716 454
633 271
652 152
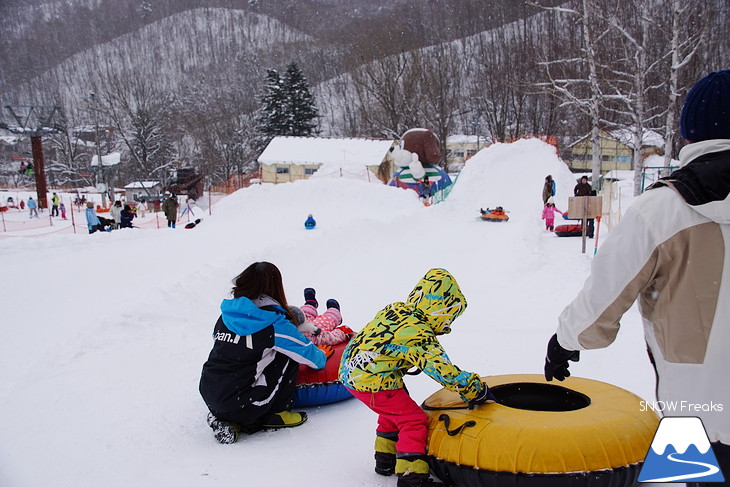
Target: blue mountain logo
681 452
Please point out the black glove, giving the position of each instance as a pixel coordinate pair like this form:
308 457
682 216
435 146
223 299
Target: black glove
484 397
556 361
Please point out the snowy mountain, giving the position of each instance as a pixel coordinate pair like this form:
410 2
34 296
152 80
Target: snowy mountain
71 43
175 53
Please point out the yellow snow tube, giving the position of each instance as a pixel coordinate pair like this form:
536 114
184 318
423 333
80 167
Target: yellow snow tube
571 433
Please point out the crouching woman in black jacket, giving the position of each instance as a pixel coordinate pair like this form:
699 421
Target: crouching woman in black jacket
248 382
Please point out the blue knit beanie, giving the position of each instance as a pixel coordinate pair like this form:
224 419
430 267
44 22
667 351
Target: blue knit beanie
706 110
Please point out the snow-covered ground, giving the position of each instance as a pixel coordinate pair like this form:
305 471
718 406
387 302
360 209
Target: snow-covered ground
102 337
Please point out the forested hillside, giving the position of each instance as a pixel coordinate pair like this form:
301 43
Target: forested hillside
178 82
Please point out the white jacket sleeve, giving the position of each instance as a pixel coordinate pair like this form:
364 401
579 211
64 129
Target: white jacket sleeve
621 270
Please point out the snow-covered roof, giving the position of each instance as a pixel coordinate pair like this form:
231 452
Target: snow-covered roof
9 139
108 160
465 139
319 150
626 136
141 184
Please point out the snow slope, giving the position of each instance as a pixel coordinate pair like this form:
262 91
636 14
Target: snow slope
103 336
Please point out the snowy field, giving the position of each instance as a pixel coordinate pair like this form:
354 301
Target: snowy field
103 336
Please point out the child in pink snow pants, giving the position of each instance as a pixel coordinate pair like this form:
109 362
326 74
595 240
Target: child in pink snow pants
332 331
548 214
400 418
401 336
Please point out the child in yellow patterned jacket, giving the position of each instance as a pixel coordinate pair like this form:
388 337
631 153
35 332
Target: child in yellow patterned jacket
401 336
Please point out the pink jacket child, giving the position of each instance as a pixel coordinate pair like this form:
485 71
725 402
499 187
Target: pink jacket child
332 331
548 214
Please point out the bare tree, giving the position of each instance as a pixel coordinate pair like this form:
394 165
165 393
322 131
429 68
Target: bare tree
576 79
137 114
70 156
440 88
629 75
684 45
387 91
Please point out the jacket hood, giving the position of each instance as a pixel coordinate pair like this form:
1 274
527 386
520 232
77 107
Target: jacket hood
243 317
703 180
439 298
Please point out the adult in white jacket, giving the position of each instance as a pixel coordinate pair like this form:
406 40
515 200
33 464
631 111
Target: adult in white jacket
671 251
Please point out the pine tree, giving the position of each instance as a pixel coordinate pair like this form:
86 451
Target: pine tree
301 111
272 118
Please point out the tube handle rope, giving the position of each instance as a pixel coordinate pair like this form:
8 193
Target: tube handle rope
447 422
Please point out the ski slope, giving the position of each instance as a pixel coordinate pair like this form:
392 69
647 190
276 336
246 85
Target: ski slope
103 336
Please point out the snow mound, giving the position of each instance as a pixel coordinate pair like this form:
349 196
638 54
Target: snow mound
512 176
331 200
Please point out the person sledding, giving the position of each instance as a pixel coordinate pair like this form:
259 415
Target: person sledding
494 214
495 211
401 336
248 381
329 327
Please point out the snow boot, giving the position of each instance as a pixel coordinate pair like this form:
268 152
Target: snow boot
309 297
223 431
413 471
418 480
385 452
332 303
284 419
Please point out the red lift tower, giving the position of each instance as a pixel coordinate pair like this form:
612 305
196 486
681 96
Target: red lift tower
34 121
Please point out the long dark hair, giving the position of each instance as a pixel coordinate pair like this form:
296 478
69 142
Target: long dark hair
258 279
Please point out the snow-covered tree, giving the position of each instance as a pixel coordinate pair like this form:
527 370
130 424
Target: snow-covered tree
300 108
687 38
576 80
272 116
632 78
69 155
287 105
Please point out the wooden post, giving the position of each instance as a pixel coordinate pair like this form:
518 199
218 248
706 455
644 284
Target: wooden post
73 219
584 225
587 207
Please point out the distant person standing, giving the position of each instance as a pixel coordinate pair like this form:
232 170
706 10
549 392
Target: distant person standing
548 189
62 207
141 208
33 207
91 219
54 204
170 209
116 212
425 190
584 189
548 214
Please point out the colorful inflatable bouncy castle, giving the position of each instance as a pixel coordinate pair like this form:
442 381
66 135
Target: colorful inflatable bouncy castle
418 160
